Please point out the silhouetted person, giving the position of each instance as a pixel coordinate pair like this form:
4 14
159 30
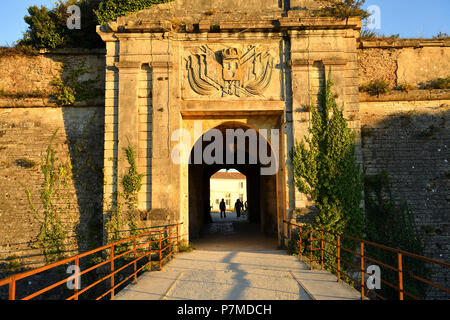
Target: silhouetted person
222 208
238 206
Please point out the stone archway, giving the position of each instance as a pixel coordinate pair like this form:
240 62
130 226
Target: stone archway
175 63
250 151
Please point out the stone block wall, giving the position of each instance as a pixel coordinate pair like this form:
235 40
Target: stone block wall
400 62
26 127
410 140
27 74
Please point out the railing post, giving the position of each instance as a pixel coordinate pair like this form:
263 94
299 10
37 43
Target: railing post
134 255
77 279
160 251
311 249
400 276
321 251
177 238
169 235
150 249
112 270
362 271
339 257
290 230
12 289
300 241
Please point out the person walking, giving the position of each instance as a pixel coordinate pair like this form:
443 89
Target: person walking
222 208
238 206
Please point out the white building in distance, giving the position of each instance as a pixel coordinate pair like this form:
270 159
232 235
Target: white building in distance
229 186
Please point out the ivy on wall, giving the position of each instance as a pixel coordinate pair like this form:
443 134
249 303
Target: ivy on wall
124 212
393 225
325 169
56 216
109 10
58 208
69 88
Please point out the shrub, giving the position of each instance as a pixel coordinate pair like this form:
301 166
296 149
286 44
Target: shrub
441 35
375 87
343 10
404 87
25 50
109 10
368 34
13 263
47 28
26 163
439 83
327 172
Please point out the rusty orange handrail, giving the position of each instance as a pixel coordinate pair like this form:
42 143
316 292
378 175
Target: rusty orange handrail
362 257
171 233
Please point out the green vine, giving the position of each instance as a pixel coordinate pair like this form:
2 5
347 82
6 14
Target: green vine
55 216
128 198
69 88
325 169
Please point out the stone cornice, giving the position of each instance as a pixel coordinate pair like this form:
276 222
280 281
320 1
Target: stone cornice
328 62
403 43
209 26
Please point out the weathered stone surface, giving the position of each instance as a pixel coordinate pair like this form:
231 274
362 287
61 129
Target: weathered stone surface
412 62
25 134
419 65
410 140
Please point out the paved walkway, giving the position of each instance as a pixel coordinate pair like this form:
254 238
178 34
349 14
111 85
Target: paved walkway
235 262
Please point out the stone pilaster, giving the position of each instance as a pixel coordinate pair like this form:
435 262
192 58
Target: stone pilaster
161 161
128 119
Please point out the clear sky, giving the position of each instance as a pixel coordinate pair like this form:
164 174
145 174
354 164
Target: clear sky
409 18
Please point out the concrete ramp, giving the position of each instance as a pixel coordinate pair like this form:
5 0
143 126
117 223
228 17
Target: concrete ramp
237 275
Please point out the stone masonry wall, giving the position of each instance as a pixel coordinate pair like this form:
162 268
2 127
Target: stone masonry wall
411 141
26 127
412 62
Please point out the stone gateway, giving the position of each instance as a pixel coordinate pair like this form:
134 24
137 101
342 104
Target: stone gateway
176 65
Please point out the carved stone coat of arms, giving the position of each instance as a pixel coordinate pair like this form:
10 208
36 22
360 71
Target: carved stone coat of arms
230 72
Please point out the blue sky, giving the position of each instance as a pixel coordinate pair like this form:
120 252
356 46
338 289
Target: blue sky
409 18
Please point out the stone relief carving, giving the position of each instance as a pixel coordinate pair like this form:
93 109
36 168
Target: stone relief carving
230 72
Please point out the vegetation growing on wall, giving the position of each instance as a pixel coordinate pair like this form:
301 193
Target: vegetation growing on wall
55 213
394 226
375 87
109 10
69 88
325 169
23 94
132 184
343 10
47 28
439 83
127 198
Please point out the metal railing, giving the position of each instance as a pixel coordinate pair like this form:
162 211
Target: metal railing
158 244
315 236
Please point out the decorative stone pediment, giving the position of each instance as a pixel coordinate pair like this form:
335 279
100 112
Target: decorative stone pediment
234 71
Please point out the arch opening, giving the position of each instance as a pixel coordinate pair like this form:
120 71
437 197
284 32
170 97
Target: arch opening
248 152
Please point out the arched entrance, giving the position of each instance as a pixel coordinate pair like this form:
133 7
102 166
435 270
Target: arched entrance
243 148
